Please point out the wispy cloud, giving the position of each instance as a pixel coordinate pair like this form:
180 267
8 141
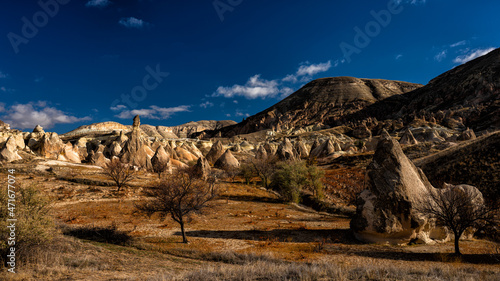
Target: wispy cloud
257 87
398 56
441 55
472 54
459 43
133 22
206 104
98 3
3 75
153 112
27 116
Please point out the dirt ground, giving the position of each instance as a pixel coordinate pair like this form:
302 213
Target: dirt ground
245 220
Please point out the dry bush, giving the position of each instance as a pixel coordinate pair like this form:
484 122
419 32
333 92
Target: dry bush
34 227
119 172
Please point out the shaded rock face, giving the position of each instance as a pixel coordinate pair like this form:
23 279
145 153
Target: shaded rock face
362 132
327 148
215 152
386 210
302 151
227 161
286 151
202 168
161 161
408 138
467 135
261 153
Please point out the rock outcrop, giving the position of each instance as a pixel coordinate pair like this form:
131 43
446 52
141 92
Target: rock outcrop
227 161
135 150
286 151
408 138
215 152
386 210
161 161
202 168
9 151
467 135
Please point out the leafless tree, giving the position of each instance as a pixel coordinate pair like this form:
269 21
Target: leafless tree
119 172
179 195
265 168
458 209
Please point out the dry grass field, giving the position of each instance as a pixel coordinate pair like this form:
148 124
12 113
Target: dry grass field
247 234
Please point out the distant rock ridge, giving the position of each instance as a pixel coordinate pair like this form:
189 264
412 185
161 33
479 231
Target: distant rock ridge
181 131
322 101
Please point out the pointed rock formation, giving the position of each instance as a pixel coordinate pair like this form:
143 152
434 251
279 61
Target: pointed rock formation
301 149
327 148
286 151
38 129
434 136
386 210
261 153
215 152
271 148
227 161
135 150
161 161
408 138
202 168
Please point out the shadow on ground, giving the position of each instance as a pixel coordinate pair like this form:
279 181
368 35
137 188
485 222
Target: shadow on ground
280 235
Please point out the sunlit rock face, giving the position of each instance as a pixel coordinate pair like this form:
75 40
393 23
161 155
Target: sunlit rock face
386 211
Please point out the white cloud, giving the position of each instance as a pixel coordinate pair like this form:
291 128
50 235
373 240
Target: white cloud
133 22
238 113
2 107
3 75
27 116
98 3
459 43
153 112
399 56
118 107
206 104
472 55
313 69
256 87
441 55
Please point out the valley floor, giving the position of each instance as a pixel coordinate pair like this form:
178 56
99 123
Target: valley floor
248 234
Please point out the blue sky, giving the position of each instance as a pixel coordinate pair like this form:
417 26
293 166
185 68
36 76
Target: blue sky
66 63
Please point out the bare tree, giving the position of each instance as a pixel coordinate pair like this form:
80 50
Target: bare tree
119 172
265 168
180 195
457 208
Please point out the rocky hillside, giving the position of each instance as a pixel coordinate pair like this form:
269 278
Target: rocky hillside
181 131
322 102
475 162
466 96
